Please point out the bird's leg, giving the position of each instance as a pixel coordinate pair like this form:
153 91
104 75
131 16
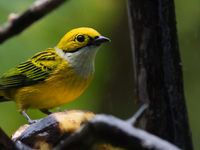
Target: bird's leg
30 121
45 111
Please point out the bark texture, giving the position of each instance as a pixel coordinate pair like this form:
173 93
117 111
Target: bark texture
158 69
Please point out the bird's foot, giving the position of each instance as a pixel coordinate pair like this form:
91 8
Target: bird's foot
32 121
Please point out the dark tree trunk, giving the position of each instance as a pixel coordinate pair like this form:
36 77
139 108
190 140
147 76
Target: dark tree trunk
158 69
5 142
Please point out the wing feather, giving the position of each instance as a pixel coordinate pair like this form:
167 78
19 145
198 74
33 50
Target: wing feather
38 68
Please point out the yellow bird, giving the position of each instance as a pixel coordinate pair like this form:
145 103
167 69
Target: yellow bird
54 76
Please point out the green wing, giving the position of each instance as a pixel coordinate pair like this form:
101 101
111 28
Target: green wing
36 69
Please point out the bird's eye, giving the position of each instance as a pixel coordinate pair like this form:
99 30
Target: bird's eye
80 38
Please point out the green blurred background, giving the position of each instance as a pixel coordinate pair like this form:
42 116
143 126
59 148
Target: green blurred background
111 90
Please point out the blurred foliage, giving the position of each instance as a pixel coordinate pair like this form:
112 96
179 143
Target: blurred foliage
111 90
188 23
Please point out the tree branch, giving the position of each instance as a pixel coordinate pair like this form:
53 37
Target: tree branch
158 69
119 133
39 9
71 130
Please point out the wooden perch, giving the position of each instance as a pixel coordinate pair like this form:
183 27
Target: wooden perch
16 25
119 133
72 130
47 132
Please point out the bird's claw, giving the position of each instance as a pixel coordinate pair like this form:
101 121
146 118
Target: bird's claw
32 121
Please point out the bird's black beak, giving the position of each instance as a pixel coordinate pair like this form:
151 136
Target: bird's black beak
100 39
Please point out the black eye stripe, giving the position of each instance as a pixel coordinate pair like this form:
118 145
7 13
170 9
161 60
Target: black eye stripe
80 38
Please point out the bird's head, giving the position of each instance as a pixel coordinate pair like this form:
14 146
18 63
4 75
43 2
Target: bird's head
78 47
79 38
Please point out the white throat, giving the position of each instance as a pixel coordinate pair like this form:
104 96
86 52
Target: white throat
82 61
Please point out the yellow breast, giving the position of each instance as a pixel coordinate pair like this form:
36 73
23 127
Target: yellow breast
62 87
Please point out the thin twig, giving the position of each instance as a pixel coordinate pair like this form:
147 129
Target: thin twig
137 115
39 9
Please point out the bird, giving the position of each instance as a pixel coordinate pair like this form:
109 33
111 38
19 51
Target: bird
54 76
